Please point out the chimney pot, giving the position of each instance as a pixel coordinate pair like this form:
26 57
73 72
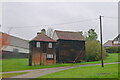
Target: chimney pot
38 33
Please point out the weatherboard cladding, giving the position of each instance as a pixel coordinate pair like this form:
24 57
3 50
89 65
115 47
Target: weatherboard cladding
38 55
66 35
66 49
43 37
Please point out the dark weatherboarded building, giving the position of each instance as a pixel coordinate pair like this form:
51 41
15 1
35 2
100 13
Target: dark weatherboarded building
70 46
42 50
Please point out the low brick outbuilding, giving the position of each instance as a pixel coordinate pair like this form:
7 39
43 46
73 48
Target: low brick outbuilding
42 50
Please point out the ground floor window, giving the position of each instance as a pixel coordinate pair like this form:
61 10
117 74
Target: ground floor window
50 56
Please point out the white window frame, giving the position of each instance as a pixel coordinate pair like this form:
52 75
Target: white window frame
49 45
38 44
50 56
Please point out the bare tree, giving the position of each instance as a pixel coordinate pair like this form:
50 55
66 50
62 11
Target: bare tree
50 32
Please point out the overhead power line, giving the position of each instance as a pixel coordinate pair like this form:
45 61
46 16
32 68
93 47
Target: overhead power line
29 26
111 17
56 24
75 22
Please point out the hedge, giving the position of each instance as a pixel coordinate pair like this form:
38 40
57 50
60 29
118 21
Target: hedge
112 49
93 50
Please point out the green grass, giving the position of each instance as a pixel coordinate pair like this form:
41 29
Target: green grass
113 57
22 64
109 71
8 75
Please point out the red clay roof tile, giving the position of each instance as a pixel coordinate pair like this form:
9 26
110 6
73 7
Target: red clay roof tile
67 35
43 37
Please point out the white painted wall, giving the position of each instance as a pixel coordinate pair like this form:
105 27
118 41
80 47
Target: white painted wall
21 50
116 42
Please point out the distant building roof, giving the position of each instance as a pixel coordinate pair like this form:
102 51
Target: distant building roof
67 35
117 38
43 37
108 43
17 42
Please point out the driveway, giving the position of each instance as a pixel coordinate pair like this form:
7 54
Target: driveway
40 72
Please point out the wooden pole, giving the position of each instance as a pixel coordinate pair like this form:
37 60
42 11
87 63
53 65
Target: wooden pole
102 63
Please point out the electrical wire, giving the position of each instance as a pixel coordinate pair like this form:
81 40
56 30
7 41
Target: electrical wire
111 17
56 24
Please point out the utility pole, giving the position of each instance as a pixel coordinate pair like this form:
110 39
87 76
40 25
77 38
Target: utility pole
102 63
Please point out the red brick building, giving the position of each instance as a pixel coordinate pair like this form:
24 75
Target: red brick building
42 50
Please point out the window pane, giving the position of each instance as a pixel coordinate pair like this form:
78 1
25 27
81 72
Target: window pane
50 45
49 55
38 44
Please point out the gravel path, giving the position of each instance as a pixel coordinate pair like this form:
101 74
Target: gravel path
40 72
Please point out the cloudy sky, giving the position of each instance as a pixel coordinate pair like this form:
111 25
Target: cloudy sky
27 18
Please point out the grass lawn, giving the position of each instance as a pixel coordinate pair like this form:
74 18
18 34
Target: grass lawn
22 64
113 57
109 71
8 75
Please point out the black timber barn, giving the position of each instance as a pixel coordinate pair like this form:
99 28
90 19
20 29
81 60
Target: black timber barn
70 46
42 50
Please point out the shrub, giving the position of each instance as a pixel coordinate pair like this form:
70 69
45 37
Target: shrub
93 52
112 49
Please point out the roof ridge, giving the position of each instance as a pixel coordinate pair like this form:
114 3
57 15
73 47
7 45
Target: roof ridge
67 31
43 37
14 36
69 35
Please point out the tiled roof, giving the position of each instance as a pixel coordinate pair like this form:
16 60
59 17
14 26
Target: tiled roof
43 37
108 43
16 41
67 35
117 38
